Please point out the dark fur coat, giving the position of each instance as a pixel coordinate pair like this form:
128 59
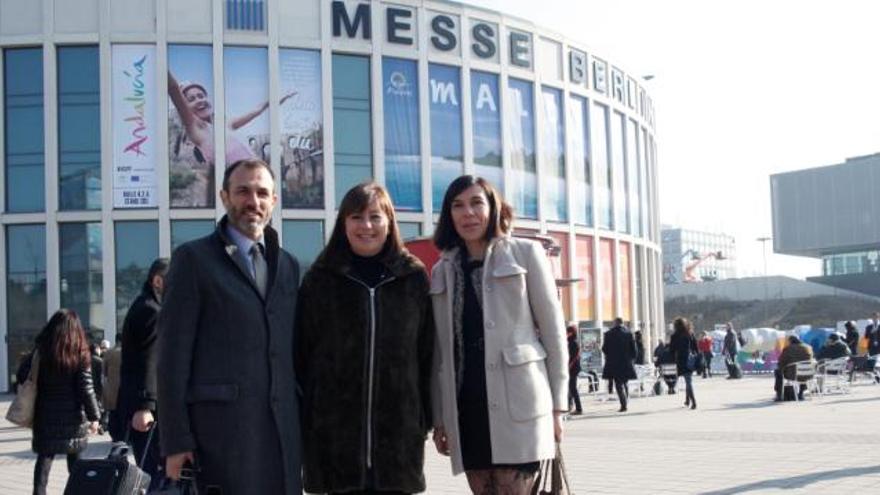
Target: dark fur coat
343 428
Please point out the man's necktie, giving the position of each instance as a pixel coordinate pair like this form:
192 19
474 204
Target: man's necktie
260 269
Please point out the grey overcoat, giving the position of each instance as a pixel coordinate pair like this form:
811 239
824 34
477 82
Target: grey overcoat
526 351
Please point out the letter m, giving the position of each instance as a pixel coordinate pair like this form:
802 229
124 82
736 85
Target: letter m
443 92
361 20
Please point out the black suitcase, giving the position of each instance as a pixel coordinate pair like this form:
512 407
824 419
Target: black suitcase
111 476
736 371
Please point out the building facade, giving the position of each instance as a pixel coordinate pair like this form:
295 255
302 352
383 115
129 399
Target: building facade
697 256
118 117
831 213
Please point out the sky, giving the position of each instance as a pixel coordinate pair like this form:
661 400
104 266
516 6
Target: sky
742 89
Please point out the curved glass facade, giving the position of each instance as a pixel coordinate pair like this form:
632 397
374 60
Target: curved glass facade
115 134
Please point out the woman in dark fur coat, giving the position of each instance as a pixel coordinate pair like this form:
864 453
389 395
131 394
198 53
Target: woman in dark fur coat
66 409
364 349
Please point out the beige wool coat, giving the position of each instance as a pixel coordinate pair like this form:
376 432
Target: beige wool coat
526 352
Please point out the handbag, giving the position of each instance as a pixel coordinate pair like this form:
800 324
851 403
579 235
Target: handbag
552 478
695 361
21 411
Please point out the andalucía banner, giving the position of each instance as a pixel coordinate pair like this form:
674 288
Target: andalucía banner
134 126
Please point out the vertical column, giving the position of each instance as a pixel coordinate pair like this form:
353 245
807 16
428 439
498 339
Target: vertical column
377 106
108 239
327 110
162 171
4 328
218 31
274 121
50 128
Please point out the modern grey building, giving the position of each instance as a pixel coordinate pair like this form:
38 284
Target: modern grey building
832 213
99 173
697 256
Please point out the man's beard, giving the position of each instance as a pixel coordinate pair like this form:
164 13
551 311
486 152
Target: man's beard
240 221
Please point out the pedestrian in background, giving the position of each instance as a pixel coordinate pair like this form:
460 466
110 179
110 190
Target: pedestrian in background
705 346
364 306
852 337
137 397
112 362
619 347
729 350
574 368
687 357
67 408
501 374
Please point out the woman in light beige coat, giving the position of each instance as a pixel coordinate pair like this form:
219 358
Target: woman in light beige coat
500 363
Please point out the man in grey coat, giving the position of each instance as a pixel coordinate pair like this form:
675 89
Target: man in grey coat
227 392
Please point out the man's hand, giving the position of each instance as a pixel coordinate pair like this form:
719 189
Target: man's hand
142 420
175 462
441 441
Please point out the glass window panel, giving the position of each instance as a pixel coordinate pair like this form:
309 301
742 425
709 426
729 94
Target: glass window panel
619 177
79 129
25 289
643 183
554 197
191 151
82 267
302 129
599 143
304 239
23 130
137 246
352 132
183 231
632 174
447 158
410 230
520 129
403 161
486 119
582 202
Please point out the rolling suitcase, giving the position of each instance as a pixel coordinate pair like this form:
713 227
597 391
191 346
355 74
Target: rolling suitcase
113 475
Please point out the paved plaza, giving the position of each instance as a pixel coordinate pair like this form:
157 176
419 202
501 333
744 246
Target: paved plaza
738 441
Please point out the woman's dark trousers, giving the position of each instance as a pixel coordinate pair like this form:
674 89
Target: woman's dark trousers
689 389
573 394
42 468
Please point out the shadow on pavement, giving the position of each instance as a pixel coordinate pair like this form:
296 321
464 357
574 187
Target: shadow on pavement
800 481
826 401
752 405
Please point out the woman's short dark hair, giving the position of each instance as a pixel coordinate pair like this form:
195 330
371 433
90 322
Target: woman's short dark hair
500 213
63 343
159 267
356 200
681 326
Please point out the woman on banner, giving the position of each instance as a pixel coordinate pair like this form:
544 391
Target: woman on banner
500 384
197 116
365 337
66 409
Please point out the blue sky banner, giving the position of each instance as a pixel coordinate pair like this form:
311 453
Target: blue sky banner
403 171
446 134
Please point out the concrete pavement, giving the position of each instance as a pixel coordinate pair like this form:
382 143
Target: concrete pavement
737 441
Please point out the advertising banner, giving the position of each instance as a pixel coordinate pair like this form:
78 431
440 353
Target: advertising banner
606 278
583 254
302 129
486 119
191 126
134 126
246 86
403 171
625 280
447 157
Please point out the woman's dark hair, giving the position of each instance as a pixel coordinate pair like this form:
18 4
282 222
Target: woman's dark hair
356 200
500 213
682 326
63 344
159 267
